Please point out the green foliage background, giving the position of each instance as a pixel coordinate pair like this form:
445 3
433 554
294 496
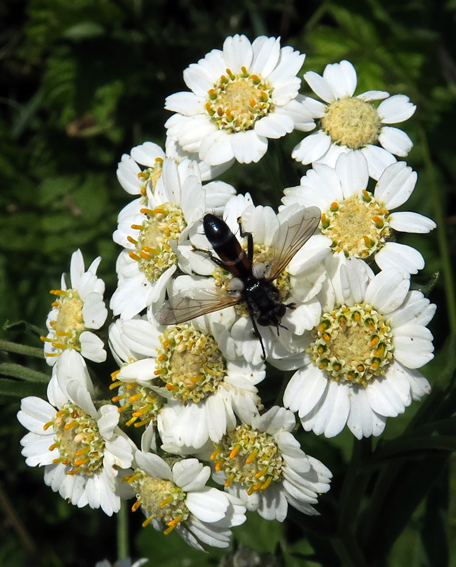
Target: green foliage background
82 82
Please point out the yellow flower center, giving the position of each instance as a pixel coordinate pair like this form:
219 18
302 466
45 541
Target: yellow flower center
352 122
78 440
158 236
69 323
237 101
161 499
249 457
142 403
358 225
352 344
190 363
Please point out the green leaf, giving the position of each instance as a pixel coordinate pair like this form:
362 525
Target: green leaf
23 373
21 389
258 533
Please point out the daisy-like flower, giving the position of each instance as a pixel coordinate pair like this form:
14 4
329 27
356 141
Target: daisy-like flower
352 123
76 310
261 463
358 222
195 367
240 97
152 235
80 447
360 368
279 240
176 497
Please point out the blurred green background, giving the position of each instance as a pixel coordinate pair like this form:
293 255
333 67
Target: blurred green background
83 82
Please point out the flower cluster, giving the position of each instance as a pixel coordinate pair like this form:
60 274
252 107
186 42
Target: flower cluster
212 286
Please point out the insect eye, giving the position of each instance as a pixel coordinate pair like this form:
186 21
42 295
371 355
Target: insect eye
259 270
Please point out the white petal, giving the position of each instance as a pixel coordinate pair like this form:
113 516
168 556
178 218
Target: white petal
319 86
378 159
237 52
209 505
342 78
146 153
353 173
248 146
185 103
411 222
387 291
396 109
266 55
311 148
395 185
395 141
373 95
274 125
400 256
92 347
216 148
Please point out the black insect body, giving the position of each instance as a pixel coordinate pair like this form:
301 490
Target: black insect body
252 283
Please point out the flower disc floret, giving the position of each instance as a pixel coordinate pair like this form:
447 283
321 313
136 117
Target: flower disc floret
162 499
352 344
152 175
153 250
69 324
143 403
237 101
249 457
352 122
357 225
189 363
78 441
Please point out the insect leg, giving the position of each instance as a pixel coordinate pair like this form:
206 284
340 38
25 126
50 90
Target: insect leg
257 332
249 237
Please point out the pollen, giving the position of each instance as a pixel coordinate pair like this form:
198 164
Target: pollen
155 244
189 364
161 499
357 351
76 435
236 102
249 457
352 122
358 227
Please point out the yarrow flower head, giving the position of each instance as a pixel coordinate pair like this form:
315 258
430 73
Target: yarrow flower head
155 237
240 97
360 368
359 223
176 498
260 462
80 447
76 311
194 367
352 123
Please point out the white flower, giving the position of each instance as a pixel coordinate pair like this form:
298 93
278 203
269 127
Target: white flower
261 463
361 367
80 447
351 123
76 310
177 497
240 97
152 235
358 222
196 368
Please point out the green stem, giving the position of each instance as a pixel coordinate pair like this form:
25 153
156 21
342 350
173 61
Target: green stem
123 550
356 478
23 373
442 239
21 349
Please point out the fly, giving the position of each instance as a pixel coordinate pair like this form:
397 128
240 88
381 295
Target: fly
252 282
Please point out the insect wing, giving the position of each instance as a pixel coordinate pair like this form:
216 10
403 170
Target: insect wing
291 237
191 303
